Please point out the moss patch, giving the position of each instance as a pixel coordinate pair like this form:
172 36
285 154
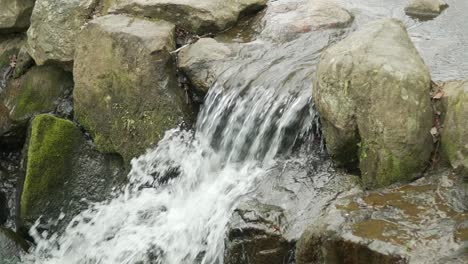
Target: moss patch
49 158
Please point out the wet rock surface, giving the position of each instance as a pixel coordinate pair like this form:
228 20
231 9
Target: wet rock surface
15 15
200 17
11 246
126 94
372 93
422 222
63 174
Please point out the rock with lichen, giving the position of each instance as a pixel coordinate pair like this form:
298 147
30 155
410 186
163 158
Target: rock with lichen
63 173
15 15
126 93
372 93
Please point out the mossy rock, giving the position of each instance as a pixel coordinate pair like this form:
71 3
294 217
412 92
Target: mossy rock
62 169
126 94
9 46
372 93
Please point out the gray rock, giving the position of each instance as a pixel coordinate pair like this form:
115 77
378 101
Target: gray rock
455 126
64 173
54 27
23 62
11 247
201 16
372 92
425 8
424 222
126 94
199 62
10 46
15 15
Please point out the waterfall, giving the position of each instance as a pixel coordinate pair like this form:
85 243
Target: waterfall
181 195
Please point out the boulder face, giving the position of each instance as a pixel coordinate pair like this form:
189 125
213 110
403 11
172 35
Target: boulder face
126 94
422 222
372 93
62 169
199 62
54 27
15 15
455 126
197 16
425 8
11 246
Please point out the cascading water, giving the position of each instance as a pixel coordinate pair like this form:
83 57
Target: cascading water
181 195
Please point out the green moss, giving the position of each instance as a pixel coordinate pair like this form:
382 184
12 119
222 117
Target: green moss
49 156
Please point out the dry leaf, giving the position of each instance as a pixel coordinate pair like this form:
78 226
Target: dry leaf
438 95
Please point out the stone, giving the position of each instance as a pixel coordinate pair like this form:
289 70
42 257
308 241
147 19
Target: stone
455 126
286 21
372 93
200 17
63 174
10 46
15 15
422 222
38 91
126 93
199 62
54 27
425 8
11 247
23 62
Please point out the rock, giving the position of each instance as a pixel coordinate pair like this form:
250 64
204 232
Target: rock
425 8
38 91
126 94
15 15
200 17
11 246
372 93
9 47
54 27
422 222
23 62
63 174
285 21
199 62
455 126
255 236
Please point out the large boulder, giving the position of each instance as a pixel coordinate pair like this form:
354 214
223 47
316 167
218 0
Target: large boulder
372 93
63 173
201 62
15 15
11 247
425 222
126 94
455 126
425 8
197 16
54 27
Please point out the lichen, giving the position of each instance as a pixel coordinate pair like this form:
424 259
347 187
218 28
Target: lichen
49 156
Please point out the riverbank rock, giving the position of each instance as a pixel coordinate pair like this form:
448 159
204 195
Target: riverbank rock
11 247
455 126
200 62
425 8
126 94
15 15
372 93
63 174
200 17
54 27
423 222
285 21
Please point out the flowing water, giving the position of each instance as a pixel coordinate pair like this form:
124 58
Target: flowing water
181 195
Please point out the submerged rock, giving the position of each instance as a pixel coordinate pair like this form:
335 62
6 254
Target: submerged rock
63 173
455 126
54 27
15 15
11 247
425 8
200 62
422 222
126 94
200 16
372 92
